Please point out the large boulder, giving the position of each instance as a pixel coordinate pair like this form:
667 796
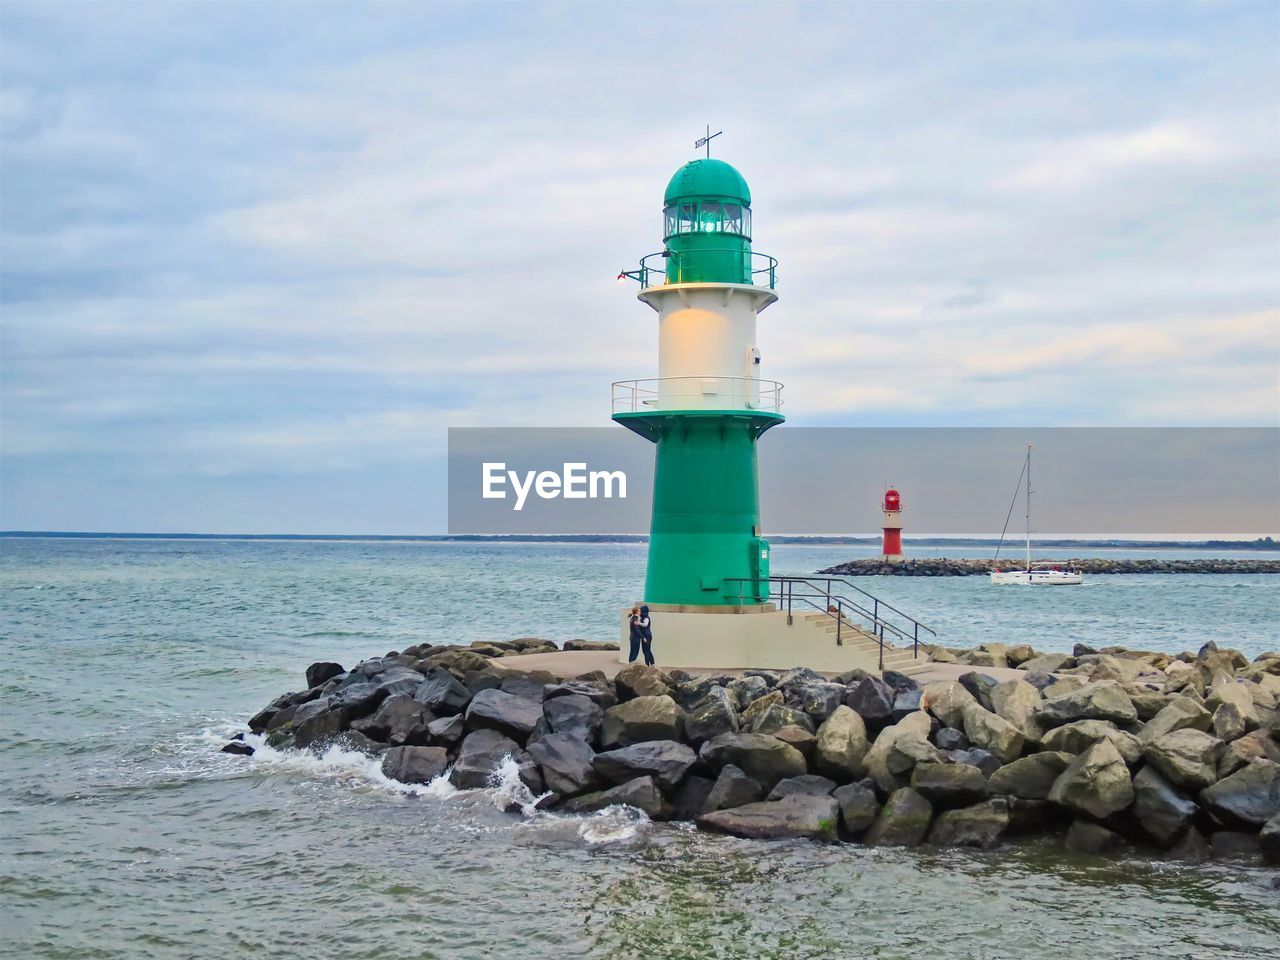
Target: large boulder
714 714
639 680
814 696
597 691
858 806
566 763
442 692
902 821
1269 839
1228 691
1180 713
1250 795
575 714
317 722
746 690
994 734
774 716
948 701
414 764
809 784
1079 736
323 672
763 758
1250 747
446 731
510 715
399 720
665 760
1161 809
1030 778
897 749
980 685
1086 837
641 793
841 745
981 825
732 788
640 719
1105 700
1016 702
947 785
530 686
482 755
798 815
1188 758
1048 663
872 699
1095 783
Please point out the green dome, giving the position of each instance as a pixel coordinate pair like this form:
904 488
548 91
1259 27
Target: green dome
707 178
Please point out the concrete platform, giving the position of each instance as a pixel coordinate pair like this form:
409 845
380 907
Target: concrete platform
573 663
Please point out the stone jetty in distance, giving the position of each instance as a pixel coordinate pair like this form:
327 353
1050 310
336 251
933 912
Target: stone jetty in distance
1133 752
948 567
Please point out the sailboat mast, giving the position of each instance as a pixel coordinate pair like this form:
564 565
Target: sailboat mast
1028 508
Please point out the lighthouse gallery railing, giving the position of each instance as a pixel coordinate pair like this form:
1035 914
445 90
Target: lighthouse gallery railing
652 271
697 393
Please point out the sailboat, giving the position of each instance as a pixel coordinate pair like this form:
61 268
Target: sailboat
1035 574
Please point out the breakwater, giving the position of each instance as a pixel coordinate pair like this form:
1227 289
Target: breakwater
946 567
1101 749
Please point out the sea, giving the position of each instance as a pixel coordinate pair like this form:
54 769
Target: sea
124 833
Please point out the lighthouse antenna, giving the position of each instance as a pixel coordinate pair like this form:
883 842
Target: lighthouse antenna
706 141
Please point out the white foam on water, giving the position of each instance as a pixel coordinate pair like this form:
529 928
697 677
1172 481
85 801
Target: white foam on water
616 824
509 791
350 766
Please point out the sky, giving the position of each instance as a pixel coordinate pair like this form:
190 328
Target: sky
256 259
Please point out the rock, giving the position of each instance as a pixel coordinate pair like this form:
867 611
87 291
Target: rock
442 692
899 682
1064 683
1105 700
1086 837
732 788
1180 713
907 701
980 686
976 757
353 740
817 698
1192 848
1079 736
318 722
763 758
1160 809
1250 795
902 821
1229 723
589 645
1095 783
239 748
483 753
809 785
597 691
400 720
871 699
566 763
746 690
886 760
691 798
997 736
949 738
1229 691
490 678
640 719
639 680
798 737
1147 702
323 672
1048 663
510 715
775 716
1252 746
641 793
858 806
446 731
414 764
715 714
459 661
796 816
841 745
947 702
984 658
1187 757
1030 778
1234 845
575 714
665 760
947 785
1016 702
1269 839
523 685
758 706
980 825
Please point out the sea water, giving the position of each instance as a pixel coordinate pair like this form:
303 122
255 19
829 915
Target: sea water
126 834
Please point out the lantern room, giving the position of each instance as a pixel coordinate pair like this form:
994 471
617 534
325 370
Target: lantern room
707 224
892 501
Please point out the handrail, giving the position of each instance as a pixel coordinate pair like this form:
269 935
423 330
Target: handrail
696 393
786 592
651 275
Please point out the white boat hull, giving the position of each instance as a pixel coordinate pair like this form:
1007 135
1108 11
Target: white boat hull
1038 578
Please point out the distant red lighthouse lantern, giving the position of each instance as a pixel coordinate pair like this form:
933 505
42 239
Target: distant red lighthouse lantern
892 510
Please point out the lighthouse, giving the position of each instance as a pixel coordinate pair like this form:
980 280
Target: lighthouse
708 405
892 510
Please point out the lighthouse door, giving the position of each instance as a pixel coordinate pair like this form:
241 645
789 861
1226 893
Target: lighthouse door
751 378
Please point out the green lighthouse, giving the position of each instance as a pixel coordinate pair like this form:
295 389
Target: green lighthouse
708 406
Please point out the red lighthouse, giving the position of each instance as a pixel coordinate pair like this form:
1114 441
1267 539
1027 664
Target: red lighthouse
892 509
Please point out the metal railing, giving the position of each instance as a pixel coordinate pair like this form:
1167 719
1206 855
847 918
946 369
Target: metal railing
653 269
697 393
818 593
